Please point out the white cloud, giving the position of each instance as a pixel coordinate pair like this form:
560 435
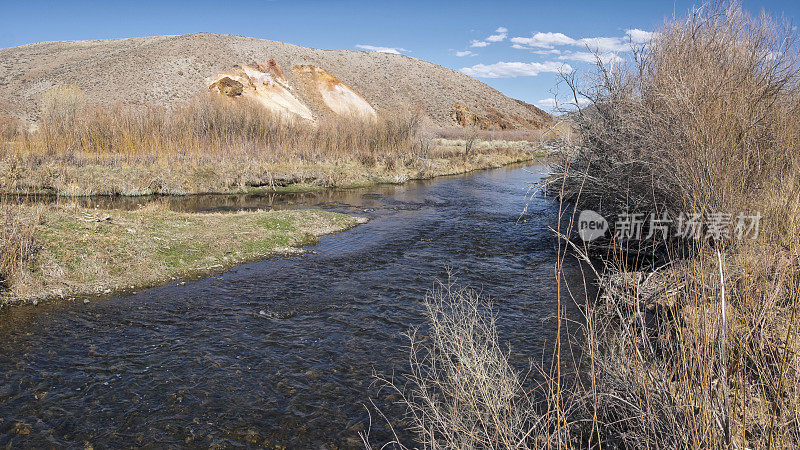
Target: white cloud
465 53
605 57
552 103
515 69
501 35
552 51
547 103
638 36
604 44
374 48
550 40
544 40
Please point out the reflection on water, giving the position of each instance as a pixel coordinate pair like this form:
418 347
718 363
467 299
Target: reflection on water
278 352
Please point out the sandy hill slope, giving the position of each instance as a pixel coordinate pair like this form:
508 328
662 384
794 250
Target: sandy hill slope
304 81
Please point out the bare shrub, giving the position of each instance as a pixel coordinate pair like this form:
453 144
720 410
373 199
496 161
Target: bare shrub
461 391
470 136
61 111
706 119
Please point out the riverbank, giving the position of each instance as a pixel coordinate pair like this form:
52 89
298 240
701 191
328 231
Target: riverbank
79 252
177 175
212 145
114 256
296 374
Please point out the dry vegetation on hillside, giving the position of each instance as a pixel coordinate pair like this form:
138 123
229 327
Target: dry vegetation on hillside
689 344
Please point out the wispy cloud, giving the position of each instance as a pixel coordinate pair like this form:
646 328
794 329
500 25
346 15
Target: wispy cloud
547 103
552 103
501 35
550 40
604 44
638 36
552 51
590 57
543 40
515 69
374 48
585 50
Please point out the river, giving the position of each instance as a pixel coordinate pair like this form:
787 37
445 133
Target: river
281 352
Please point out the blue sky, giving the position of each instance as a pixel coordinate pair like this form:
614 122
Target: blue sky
515 47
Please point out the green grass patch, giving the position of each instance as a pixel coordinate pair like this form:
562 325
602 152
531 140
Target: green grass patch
84 252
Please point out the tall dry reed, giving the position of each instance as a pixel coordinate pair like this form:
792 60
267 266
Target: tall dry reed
17 242
210 127
217 144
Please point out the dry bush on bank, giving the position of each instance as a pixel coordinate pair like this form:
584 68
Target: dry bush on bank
671 370
10 129
706 121
459 133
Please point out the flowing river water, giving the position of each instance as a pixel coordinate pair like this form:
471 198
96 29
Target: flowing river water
282 352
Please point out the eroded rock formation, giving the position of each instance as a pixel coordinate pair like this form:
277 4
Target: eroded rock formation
263 84
329 91
491 119
227 86
267 85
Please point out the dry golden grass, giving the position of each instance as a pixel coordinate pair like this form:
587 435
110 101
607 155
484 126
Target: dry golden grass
216 144
10 128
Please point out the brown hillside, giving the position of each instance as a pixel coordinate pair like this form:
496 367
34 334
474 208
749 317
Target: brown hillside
170 69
